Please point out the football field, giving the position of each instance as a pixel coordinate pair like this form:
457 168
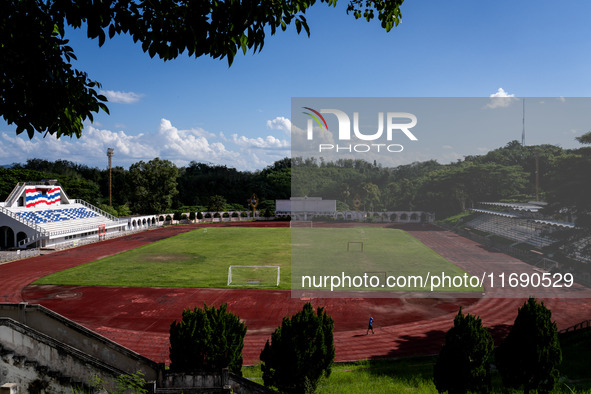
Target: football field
202 257
199 258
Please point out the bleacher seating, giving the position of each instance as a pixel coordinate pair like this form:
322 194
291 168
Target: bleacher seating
64 219
40 216
511 227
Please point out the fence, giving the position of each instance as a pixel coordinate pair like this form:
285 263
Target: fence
6 256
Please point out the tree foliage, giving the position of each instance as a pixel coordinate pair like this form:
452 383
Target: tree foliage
464 361
207 338
530 354
154 186
41 90
216 203
301 351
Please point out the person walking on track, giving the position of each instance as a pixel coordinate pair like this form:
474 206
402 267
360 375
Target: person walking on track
370 326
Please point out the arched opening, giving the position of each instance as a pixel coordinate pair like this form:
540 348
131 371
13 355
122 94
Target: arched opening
414 217
20 236
404 217
393 217
6 237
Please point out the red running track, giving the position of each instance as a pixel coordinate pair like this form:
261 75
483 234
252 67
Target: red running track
139 318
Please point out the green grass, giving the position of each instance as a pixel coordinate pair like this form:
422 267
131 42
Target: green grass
415 375
371 376
321 252
199 258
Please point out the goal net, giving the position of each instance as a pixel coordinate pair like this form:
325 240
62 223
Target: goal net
300 224
254 275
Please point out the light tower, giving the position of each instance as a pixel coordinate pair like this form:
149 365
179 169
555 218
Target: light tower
110 153
523 126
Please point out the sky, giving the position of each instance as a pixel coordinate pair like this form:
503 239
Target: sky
202 110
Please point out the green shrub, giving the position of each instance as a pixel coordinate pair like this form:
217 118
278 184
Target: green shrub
207 339
464 361
530 354
300 352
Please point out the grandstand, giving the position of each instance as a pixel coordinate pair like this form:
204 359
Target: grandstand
40 214
520 222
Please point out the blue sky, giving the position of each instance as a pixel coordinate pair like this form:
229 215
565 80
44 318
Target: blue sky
239 116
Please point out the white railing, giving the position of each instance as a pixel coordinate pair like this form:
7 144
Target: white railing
24 221
97 210
29 240
14 193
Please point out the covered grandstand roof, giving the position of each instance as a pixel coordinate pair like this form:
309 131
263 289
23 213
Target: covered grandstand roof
555 223
498 213
520 206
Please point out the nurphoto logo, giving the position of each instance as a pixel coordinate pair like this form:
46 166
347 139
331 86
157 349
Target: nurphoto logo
395 122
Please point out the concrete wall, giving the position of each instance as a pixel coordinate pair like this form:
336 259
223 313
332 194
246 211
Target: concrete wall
39 346
72 334
34 360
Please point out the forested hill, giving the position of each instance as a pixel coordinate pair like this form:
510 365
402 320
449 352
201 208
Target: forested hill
507 174
504 174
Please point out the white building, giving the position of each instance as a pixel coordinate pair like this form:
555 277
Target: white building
308 208
40 214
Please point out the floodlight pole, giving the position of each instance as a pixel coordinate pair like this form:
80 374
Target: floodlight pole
110 153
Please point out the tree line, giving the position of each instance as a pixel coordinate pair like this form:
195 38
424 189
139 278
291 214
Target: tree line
156 186
301 351
513 173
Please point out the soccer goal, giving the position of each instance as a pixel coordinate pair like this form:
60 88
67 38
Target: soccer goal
254 275
301 224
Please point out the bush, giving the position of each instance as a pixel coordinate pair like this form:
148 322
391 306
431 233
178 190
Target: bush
464 361
300 351
530 354
192 215
199 215
207 339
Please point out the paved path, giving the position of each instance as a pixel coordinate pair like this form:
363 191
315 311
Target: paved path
139 318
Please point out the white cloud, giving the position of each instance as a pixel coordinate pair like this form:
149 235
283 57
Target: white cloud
500 99
187 145
268 142
180 146
121 97
280 123
501 93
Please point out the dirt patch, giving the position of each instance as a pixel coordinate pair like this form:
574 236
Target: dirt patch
164 258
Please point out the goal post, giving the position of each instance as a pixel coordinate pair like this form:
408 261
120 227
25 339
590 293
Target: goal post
254 275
